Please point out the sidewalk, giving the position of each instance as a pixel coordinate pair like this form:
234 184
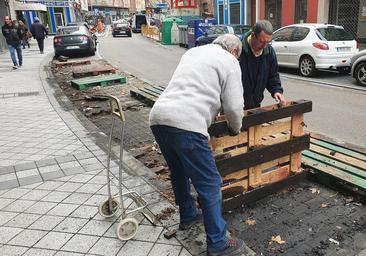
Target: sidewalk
52 176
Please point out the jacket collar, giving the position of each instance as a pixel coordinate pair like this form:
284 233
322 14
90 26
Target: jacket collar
246 47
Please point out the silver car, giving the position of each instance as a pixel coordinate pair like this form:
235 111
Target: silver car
358 67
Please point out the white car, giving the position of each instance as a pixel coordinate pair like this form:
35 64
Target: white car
358 64
314 46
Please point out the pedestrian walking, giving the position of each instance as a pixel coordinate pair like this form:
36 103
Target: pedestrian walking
25 31
207 79
259 66
13 36
39 32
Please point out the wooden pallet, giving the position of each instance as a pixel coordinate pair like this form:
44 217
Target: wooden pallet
148 94
94 69
334 164
267 151
60 64
87 82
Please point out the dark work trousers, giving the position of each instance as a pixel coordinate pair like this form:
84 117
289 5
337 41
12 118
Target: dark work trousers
40 42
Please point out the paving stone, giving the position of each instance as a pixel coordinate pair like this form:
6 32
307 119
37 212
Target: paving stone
73 170
30 180
81 156
63 209
111 232
6 216
77 198
362 253
35 195
46 222
50 185
63 253
80 243
184 252
144 189
89 161
81 178
133 182
130 248
6 170
27 237
107 246
69 187
33 185
23 220
52 175
95 227
15 193
165 250
71 225
163 240
68 165
41 207
148 233
89 188
85 212
99 179
25 166
9 250
49 168
93 167
95 200
39 252
9 184
5 201
56 196
27 173
7 233
8 177
65 159
19 205
53 240
46 162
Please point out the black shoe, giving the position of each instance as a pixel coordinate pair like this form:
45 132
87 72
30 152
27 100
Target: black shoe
235 247
41 52
184 225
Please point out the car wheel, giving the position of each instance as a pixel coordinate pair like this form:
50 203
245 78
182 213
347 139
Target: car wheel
129 35
360 74
307 66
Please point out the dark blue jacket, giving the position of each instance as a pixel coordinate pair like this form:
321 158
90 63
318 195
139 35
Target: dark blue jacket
258 73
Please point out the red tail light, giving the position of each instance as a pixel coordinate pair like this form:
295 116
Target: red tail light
358 45
57 40
321 46
83 38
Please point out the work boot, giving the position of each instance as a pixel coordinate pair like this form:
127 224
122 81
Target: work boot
184 225
234 247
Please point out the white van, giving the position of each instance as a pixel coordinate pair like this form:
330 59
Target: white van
137 21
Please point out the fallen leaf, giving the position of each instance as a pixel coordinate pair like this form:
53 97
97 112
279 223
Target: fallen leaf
324 205
250 222
278 239
314 190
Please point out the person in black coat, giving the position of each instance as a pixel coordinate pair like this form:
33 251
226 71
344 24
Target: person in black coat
13 36
259 66
39 32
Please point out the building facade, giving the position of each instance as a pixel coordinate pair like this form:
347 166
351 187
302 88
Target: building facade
236 11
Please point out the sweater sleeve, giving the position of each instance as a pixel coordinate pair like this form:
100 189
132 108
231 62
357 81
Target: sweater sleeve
232 99
274 81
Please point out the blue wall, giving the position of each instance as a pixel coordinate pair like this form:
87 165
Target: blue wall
227 10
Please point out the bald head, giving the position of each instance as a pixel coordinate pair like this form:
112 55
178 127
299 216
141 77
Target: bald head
231 43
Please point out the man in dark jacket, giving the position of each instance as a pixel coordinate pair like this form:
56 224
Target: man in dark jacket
259 66
13 36
39 32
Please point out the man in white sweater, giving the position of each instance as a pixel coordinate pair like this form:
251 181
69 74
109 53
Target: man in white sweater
207 79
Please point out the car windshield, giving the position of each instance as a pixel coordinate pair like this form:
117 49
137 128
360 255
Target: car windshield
333 34
72 30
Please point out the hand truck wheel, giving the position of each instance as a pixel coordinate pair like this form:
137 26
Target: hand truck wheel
105 211
127 229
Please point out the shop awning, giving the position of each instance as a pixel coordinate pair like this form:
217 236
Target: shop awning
18 6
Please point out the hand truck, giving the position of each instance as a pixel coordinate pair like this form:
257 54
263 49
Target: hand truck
114 205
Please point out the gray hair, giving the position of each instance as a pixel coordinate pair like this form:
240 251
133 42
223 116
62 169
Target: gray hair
229 42
263 25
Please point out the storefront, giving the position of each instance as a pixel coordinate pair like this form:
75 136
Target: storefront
230 11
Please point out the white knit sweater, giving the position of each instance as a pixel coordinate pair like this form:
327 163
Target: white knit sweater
206 79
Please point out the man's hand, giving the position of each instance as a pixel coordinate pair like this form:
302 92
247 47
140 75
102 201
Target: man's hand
232 132
279 97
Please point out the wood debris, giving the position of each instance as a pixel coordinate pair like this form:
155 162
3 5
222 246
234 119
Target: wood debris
277 239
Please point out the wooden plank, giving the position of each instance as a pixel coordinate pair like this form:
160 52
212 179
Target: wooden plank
338 156
234 189
335 172
221 143
71 63
145 90
276 175
334 163
151 90
150 100
258 193
160 88
235 176
263 154
255 176
297 129
260 116
337 148
277 162
273 128
276 138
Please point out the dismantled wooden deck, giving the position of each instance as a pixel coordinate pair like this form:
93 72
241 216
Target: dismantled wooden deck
60 64
94 69
104 80
334 164
148 94
267 151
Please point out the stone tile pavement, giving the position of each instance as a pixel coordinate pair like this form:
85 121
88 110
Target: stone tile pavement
52 176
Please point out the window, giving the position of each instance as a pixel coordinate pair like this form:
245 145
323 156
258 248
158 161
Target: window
234 13
283 35
221 14
300 33
333 34
184 3
301 11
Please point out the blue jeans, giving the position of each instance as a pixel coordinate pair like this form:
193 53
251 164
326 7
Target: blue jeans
18 49
189 157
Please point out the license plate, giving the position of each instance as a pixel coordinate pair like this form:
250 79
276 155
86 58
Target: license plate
72 47
122 32
343 49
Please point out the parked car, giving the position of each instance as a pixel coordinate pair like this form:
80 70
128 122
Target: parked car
74 39
358 67
119 29
314 46
214 31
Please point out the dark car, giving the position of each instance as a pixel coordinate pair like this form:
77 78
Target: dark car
121 29
213 32
74 39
